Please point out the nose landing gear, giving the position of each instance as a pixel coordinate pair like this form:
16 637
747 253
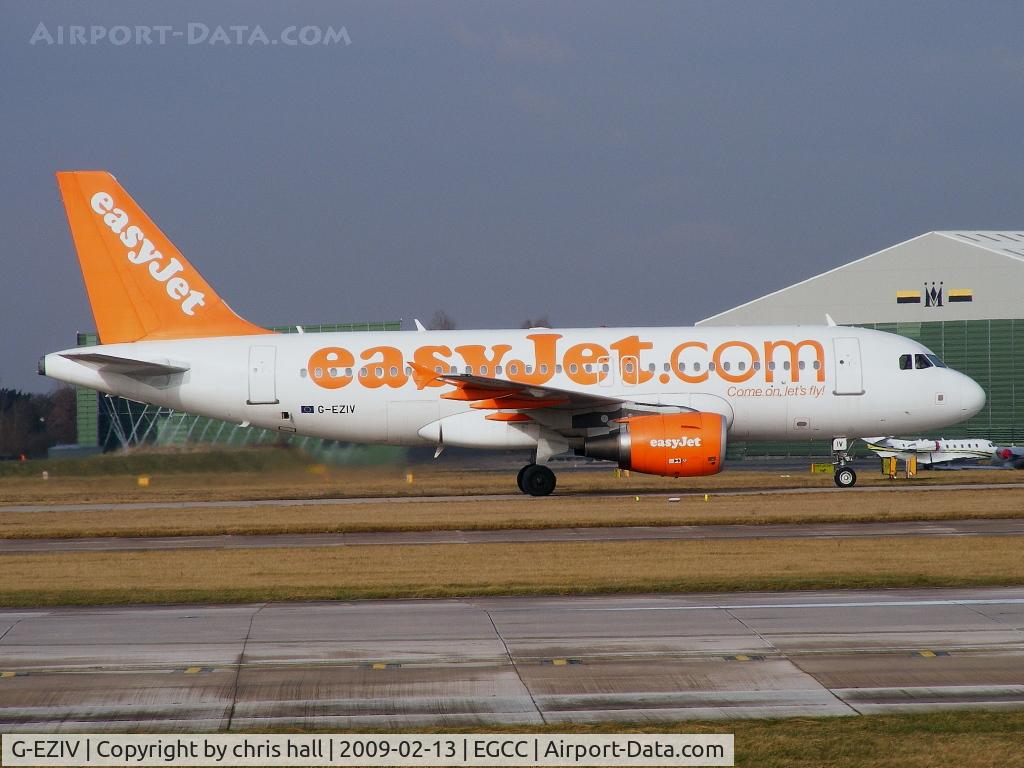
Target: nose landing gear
844 476
536 480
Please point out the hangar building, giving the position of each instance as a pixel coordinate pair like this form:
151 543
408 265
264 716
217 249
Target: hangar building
960 293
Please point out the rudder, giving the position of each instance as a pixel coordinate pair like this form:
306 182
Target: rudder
140 286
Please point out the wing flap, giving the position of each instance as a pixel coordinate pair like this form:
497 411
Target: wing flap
487 393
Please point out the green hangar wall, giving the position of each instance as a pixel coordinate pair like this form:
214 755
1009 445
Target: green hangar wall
992 353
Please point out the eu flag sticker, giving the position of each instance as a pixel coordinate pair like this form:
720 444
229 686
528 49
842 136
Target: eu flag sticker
307 409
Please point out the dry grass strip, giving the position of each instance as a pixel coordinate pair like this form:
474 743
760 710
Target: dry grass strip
507 569
554 512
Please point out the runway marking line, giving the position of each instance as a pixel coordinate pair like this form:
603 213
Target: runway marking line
852 604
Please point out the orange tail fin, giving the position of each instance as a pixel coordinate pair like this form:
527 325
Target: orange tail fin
140 286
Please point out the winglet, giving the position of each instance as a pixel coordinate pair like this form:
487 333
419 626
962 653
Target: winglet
829 320
419 325
422 375
140 286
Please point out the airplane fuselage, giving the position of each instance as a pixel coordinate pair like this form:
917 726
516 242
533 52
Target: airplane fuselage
770 383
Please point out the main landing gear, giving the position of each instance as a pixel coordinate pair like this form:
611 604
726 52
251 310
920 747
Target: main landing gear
844 476
536 480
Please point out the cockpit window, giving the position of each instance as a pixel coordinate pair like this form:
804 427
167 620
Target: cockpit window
936 361
922 361
906 362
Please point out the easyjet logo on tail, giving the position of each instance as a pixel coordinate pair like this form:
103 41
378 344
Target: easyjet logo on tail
145 253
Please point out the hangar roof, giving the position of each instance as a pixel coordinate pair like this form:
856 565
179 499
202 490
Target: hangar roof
1008 243
949 275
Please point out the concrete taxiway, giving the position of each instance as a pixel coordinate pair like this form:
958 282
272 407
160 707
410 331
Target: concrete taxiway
132 506
510 660
926 528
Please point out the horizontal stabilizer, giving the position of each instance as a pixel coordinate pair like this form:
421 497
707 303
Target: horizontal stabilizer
124 365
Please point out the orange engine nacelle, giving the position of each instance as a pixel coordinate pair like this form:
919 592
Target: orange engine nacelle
674 444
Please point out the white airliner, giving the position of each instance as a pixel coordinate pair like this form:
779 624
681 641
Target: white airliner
657 400
933 451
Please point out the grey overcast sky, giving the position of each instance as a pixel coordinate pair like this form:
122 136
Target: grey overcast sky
604 163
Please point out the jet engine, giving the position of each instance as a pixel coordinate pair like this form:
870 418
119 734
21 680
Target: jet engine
673 444
1014 457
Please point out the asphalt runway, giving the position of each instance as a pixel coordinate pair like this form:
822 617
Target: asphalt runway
926 528
418 663
895 487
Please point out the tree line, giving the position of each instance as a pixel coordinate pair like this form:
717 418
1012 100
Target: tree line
442 321
32 422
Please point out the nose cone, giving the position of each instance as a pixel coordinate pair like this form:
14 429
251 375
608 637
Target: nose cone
972 397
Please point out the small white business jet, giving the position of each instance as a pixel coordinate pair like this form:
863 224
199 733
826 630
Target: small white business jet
658 400
933 451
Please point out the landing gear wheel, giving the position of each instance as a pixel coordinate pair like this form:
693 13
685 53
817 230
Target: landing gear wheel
519 477
537 480
845 477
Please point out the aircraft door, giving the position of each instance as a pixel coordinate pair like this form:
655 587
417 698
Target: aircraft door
849 378
262 375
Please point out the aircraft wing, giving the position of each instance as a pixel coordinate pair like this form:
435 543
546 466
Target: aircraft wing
884 448
493 394
879 445
126 366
